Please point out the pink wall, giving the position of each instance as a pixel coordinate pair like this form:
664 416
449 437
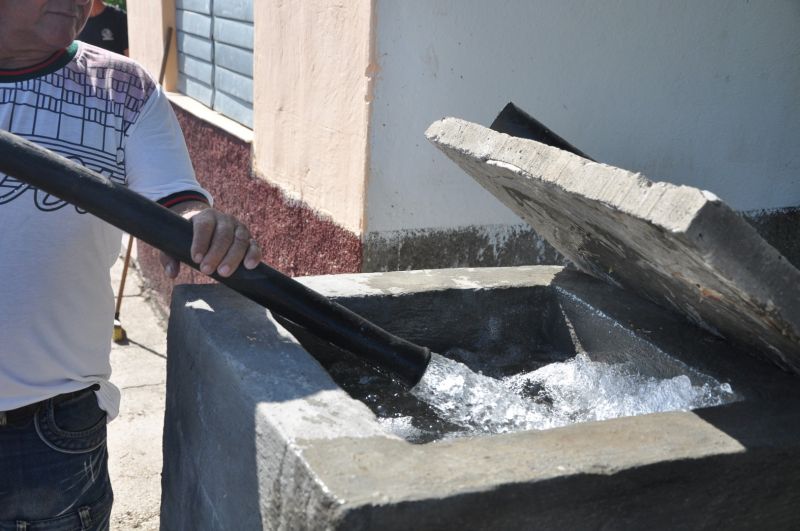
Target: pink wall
295 239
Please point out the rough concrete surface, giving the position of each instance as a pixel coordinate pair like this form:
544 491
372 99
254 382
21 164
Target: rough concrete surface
679 246
134 437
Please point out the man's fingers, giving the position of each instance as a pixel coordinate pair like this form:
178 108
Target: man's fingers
222 240
204 224
220 243
237 251
253 256
170 265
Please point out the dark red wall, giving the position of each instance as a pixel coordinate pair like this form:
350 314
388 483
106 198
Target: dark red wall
295 240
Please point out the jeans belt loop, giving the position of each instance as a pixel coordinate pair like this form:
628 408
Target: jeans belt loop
3 419
86 518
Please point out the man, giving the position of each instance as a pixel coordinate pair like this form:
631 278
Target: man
107 28
56 302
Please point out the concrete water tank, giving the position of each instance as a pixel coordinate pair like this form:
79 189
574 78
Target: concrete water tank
269 428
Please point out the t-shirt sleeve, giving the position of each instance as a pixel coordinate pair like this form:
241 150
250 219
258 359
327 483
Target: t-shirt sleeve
157 162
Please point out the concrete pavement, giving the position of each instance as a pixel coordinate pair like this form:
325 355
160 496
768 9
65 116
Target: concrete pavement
134 438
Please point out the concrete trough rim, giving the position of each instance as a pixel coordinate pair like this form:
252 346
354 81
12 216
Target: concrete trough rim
356 475
681 436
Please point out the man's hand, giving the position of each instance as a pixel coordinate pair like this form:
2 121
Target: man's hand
220 242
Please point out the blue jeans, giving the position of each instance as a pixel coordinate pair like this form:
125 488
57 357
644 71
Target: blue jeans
54 468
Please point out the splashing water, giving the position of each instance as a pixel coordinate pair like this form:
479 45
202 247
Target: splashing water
576 390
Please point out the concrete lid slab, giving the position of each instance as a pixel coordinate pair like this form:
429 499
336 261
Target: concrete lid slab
676 245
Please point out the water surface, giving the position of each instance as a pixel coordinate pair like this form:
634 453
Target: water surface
557 394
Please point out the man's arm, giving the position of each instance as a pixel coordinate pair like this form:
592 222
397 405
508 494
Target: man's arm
220 242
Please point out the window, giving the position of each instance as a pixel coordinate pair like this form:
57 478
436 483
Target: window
215 55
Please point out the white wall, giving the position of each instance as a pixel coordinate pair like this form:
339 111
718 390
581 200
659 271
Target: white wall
705 93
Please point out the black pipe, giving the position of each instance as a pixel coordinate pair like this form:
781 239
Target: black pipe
515 122
169 232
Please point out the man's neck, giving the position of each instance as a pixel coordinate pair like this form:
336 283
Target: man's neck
98 7
26 58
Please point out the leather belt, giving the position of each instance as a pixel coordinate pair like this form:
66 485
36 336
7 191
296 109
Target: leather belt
22 414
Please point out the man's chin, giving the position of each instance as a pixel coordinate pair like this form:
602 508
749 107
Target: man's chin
61 30
59 39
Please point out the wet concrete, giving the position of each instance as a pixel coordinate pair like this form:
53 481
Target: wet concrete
475 246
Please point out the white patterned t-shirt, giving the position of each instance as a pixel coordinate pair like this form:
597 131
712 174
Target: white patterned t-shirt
105 112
